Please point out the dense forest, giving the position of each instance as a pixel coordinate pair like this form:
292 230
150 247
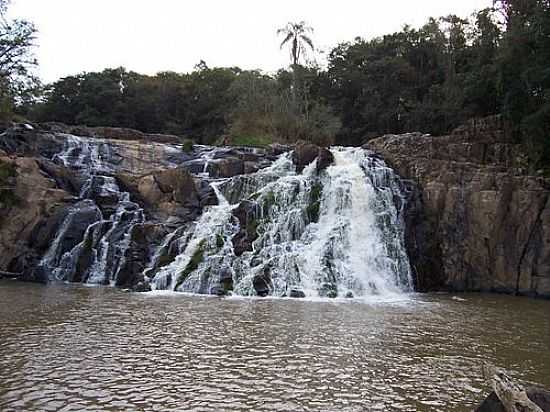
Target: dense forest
427 79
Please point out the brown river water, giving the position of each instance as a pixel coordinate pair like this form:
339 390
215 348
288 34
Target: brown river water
79 348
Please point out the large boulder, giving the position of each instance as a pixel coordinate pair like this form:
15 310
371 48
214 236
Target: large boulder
170 193
30 213
305 153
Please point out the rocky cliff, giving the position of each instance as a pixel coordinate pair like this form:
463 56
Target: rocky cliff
477 221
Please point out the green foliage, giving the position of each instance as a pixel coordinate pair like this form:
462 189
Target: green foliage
252 141
314 206
220 241
18 85
524 74
187 146
194 262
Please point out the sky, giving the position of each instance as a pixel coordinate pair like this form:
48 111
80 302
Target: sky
151 36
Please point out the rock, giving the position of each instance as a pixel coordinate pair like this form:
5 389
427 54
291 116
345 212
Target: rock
218 291
325 159
262 283
247 214
137 256
297 293
349 295
538 396
226 167
142 286
476 220
305 153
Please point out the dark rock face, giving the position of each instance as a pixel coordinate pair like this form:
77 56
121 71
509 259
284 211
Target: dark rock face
539 396
247 214
227 167
262 283
305 153
137 256
477 221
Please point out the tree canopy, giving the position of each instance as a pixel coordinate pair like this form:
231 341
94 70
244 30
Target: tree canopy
17 82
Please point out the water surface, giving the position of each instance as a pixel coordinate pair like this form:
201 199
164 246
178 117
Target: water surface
81 348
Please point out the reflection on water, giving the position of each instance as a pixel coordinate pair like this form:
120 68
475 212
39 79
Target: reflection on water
78 348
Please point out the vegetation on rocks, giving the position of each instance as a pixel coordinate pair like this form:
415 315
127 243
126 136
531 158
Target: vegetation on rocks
194 262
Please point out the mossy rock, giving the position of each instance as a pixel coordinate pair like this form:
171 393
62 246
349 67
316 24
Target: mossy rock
193 264
313 209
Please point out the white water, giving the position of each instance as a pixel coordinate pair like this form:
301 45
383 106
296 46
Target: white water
355 249
108 237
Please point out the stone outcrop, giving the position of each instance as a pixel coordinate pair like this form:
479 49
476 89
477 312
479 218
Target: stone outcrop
31 209
477 220
305 153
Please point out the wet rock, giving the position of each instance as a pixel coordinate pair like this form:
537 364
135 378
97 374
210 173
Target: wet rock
325 159
137 256
226 167
479 221
262 283
142 286
218 291
247 214
297 293
539 396
305 153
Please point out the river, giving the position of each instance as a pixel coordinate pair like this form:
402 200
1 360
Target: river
67 347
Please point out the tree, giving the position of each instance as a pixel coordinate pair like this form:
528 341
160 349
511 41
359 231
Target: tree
296 34
17 82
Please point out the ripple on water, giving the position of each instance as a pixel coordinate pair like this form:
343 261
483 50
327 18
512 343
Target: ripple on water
73 348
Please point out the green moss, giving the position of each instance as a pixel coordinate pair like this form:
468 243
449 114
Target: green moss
254 141
187 146
193 264
314 206
220 241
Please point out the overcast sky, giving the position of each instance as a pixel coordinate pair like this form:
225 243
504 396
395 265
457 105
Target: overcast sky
156 35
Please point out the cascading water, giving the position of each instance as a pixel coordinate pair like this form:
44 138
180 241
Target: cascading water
338 233
104 214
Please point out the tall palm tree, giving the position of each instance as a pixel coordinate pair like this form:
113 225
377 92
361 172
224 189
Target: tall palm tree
297 35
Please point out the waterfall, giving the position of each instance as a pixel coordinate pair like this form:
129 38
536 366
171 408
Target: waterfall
337 233
91 242
332 233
